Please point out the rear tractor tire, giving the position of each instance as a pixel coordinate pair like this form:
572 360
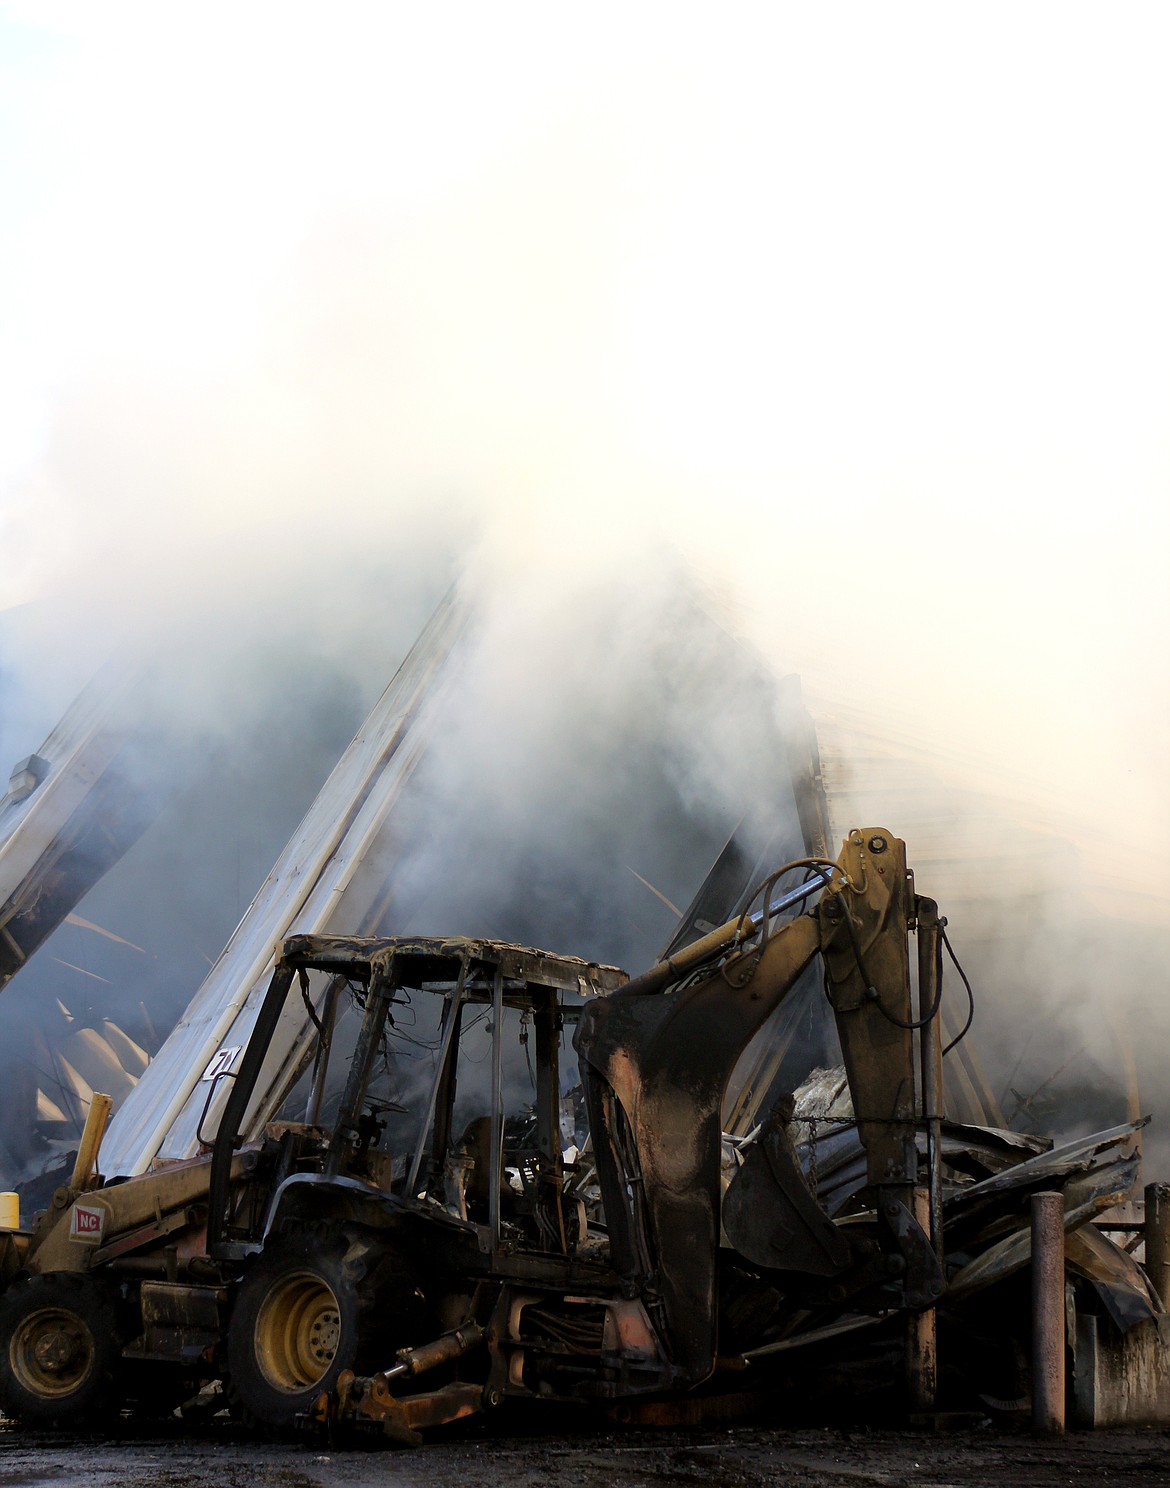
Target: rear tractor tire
312 1306
60 1351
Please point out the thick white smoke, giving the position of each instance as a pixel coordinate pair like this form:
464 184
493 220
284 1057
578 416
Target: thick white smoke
863 314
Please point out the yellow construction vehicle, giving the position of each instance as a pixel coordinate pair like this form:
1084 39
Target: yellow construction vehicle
416 1239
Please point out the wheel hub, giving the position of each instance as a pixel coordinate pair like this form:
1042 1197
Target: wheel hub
298 1329
56 1349
52 1351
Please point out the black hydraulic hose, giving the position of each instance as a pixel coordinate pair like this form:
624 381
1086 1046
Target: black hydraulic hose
820 867
962 1033
911 1024
727 937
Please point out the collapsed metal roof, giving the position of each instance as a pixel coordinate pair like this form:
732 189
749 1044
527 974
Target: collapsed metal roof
70 812
343 868
80 803
346 870
320 867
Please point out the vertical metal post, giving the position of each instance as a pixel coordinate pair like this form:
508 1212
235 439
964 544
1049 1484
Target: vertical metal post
921 1334
91 1140
930 1059
548 1110
496 1159
1048 1341
1158 1239
440 1085
447 1085
546 1018
324 1043
236 1107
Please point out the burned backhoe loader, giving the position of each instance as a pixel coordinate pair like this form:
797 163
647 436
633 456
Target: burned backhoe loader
439 1219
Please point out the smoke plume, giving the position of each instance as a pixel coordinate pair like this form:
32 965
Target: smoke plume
859 318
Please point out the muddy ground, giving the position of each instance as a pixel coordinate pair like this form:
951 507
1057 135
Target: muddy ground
743 1457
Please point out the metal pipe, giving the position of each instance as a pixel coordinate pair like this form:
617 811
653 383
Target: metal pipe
1048 1321
255 1052
496 1158
675 967
365 1051
930 1062
1158 1239
91 1140
790 897
921 1333
324 1044
450 1029
449 1346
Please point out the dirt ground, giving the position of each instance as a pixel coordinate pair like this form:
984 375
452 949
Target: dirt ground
739 1458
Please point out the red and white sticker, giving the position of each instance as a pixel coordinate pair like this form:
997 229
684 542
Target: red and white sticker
87 1224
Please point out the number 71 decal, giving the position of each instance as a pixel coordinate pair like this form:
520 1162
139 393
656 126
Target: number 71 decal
221 1062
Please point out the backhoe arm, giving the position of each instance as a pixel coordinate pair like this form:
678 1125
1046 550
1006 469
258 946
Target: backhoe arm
656 1057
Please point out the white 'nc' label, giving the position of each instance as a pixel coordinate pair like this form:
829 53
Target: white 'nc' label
87 1224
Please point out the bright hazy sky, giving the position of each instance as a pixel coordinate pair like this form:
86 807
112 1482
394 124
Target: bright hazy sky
866 308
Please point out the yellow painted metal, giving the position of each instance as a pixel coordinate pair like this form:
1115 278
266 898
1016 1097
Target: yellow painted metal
297 1331
51 1352
91 1140
124 1207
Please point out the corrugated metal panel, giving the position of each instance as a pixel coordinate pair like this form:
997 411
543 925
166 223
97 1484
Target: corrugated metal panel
973 833
161 1116
57 841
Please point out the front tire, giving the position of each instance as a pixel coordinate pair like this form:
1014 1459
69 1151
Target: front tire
60 1351
312 1306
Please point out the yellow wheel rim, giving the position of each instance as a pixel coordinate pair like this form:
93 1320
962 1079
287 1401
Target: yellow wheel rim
298 1328
51 1352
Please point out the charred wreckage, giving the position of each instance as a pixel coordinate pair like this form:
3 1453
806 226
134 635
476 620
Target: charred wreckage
390 1266
381 1183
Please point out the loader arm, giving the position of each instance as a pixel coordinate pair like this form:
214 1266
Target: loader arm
656 1057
